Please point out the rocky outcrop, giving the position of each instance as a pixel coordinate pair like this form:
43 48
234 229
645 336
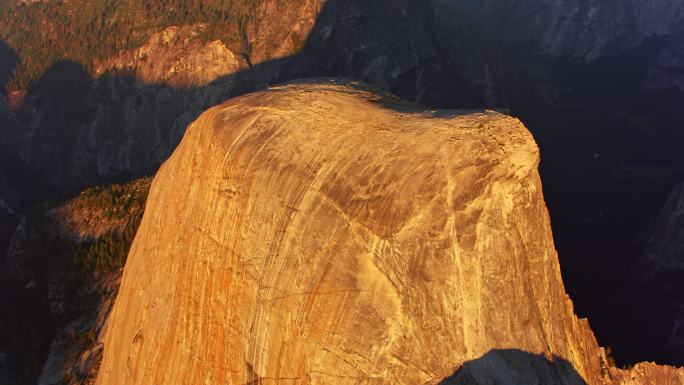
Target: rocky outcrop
319 232
648 373
660 267
177 57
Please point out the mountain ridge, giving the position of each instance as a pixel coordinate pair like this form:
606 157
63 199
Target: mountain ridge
400 243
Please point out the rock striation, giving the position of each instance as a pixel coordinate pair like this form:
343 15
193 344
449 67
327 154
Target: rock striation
323 233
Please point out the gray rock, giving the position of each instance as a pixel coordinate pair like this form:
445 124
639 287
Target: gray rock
667 70
585 30
664 246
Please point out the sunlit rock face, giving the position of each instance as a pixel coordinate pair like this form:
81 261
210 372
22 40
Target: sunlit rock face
181 57
177 57
325 234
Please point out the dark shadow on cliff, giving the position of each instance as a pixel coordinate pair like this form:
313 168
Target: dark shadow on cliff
611 153
25 327
513 366
75 124
8 59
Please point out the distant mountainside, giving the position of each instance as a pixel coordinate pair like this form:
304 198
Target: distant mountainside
584 30
603 93
59 280
95 114
44 32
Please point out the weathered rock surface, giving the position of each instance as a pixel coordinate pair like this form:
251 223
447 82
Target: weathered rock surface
320 233
648 373
177 57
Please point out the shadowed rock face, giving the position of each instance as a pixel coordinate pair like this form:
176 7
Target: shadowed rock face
513 366
322 233
599 84
664 251
8 193
660 268
8 59
667 69
59 280
581 29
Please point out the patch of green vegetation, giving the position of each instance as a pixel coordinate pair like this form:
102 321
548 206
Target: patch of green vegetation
84 31
298 41
70 379
63 279
115 199
106 254
81 263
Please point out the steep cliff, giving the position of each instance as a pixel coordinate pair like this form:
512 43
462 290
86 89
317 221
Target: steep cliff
178 57
319 232
599 84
